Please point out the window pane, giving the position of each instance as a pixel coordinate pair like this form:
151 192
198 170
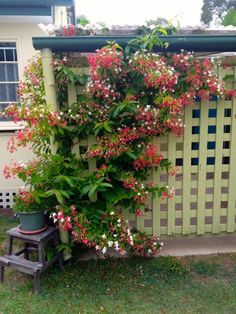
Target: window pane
8 75
8 92
12 90
2 55
9 55
8 72
7 44
15 55
2 107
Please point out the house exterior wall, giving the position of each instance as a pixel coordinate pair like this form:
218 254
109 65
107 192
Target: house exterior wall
22 35
13 29
7 158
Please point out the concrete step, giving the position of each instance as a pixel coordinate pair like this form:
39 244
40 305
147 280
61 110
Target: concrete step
183 246
200 245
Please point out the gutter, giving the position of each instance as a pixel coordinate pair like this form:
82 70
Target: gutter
197 43
33 3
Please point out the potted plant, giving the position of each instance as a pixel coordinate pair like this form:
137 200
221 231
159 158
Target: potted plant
30 212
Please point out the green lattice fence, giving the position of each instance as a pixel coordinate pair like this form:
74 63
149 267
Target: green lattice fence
205 200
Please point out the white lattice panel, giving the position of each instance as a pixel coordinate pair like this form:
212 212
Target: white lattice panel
6 197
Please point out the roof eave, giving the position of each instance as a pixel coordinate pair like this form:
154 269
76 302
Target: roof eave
197 43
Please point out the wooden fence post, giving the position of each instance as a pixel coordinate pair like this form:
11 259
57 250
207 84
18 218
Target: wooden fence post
50 86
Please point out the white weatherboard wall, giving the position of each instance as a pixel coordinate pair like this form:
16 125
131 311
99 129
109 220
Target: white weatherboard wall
21 34
8 187
7 158
17 30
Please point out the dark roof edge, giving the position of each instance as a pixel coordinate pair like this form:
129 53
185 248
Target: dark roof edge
198 43
32 3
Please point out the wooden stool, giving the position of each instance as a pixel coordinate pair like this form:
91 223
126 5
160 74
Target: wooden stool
32 243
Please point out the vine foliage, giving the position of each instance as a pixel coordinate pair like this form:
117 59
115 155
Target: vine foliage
130 97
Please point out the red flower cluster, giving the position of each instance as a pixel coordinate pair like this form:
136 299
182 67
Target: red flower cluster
108 148
201 77
20 168
141 193
69 30
156 71
182 61
105 58
26 197
150 157
20 139
106 63
146 245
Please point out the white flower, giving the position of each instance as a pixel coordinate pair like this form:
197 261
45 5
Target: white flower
161 244
112 213
104 250
118 220
104 236
110 243
97 247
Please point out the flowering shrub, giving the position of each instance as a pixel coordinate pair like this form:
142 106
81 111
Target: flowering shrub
128 99
113 232
82 30
25 201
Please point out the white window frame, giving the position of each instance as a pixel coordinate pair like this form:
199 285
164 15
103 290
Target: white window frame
11 125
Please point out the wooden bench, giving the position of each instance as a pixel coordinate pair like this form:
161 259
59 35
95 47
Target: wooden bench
31 243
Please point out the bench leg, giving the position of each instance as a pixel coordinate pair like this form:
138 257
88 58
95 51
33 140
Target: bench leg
9 245
1 272
60 259
26 252
61 262
37 282
41 251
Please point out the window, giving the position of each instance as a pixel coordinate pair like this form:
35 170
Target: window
9 77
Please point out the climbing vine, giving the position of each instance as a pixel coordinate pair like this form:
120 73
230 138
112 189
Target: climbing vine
129 98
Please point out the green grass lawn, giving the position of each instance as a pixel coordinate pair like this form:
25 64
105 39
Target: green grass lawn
136 285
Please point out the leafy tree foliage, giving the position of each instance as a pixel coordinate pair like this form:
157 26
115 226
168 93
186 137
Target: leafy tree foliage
216 9
82 20
230 18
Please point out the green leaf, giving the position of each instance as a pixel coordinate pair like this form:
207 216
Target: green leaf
59 196
85 190
67 194
107 185
131 155
62 178
107 126
92 191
